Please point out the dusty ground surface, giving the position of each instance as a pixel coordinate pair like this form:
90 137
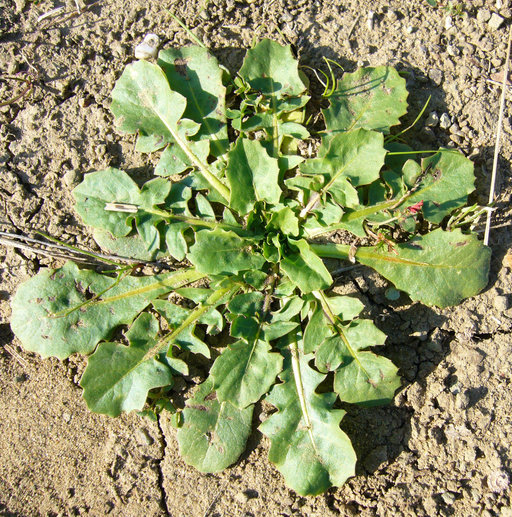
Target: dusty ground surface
442 448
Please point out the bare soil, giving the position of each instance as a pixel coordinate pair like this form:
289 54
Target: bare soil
442 448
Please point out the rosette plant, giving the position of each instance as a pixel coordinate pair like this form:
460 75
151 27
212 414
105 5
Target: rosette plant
243 204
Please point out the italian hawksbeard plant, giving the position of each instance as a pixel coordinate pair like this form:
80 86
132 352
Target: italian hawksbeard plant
244 218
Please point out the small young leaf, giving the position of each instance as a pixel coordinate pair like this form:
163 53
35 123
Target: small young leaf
53 317
220 252
253 176
272 70
118 377
369 98
213 433
305 269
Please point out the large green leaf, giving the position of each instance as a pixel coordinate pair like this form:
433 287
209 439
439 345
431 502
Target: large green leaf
132 246
440 268
357 155
195 73
271 69
245 371
115 186
218 251
142 101
369 98
214 433
307 445
118 377
305 269
53 314
445 185
253 176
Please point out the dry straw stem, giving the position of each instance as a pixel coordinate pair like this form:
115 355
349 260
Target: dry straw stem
504 88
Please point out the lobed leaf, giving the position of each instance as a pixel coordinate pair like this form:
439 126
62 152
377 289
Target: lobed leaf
440 268
369 98
245 371
118 377
223 252
195 73
307 445
53 315
253 176
213 434
271 69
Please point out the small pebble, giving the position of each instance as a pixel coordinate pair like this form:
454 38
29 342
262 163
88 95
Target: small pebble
498 481
496 21
148 48
448 498
445 121
66 417
72 178
436 75
432 119
453 50
483 15
242 497
143 437
500 303
448 22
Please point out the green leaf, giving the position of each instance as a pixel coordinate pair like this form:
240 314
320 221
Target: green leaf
253 176
100 188
247 304
245 371
365 378
132 246
285 221
52 313
213 433
369 98
195 73
143 101
445 185
175 315
174 160
305 269
118 377
357 155
220 252
272 70
307 445
440 268
359 334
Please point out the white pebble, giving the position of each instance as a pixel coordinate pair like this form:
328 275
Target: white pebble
148 48
448 22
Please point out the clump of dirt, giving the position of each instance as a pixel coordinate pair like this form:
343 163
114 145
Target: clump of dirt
442 448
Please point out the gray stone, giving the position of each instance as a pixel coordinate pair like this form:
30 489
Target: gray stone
432 119
448 498
72 178
496 21
445 121
436 75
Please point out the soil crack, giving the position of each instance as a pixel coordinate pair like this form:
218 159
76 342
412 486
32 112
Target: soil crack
163 448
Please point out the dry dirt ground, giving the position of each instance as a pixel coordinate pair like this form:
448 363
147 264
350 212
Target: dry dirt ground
442 448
